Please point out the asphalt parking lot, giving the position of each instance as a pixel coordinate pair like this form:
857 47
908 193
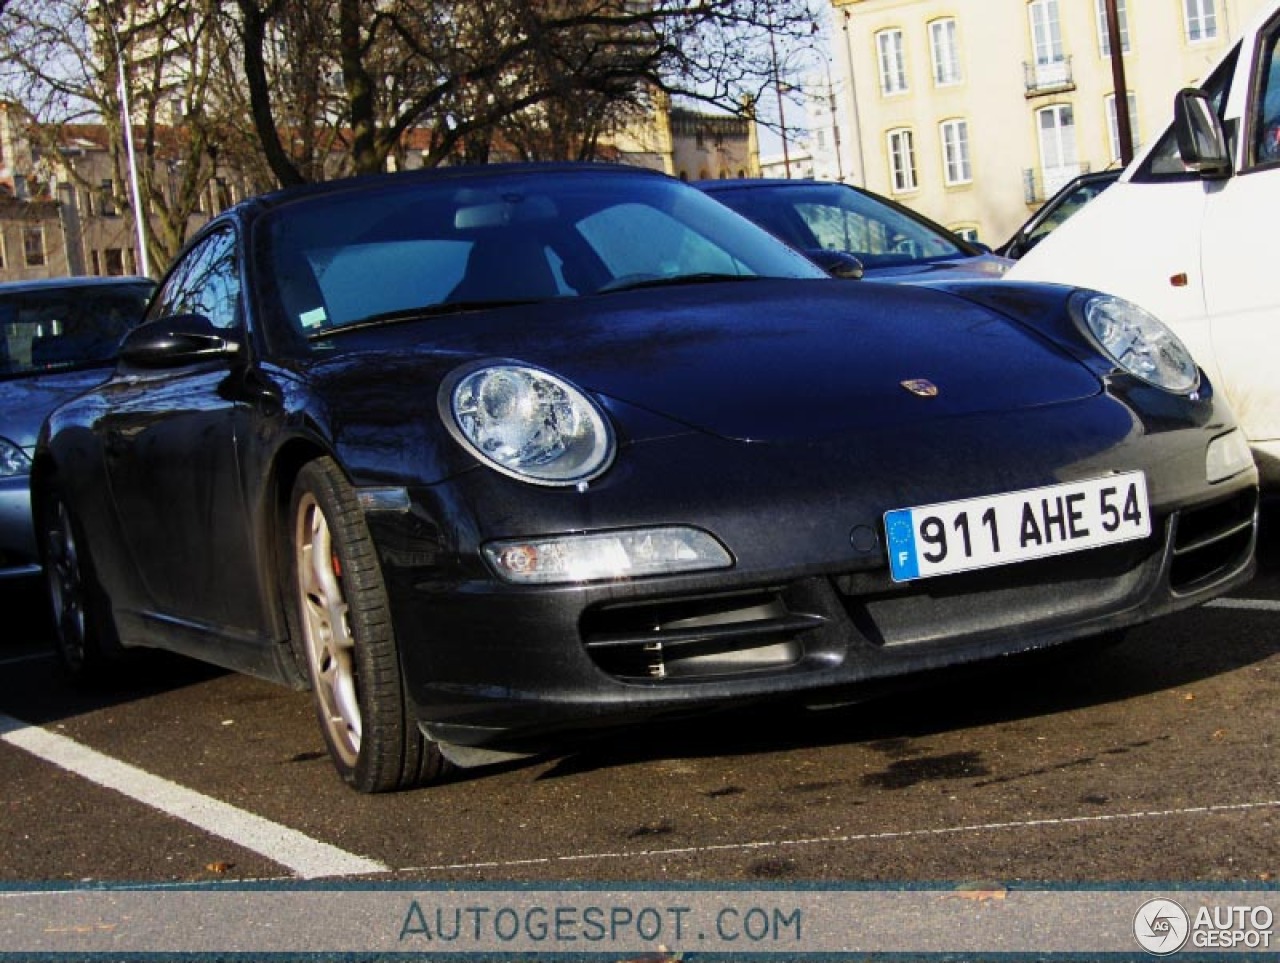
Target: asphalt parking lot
1155 760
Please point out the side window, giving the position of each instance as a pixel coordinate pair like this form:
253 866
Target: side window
838 230
1264 132
206 281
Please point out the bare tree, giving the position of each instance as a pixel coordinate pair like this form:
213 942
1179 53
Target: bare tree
455 71
291 91
69 64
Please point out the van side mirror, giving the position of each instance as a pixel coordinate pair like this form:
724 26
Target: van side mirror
1202 143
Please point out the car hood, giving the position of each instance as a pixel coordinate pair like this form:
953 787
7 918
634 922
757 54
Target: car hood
776 360
26 400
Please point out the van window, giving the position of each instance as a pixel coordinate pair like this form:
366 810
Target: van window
1164 162
1264 133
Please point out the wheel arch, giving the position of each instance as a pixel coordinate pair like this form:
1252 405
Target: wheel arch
43 472
287 463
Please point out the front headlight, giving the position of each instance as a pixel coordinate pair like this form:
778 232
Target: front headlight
13 460
1139 342
529 423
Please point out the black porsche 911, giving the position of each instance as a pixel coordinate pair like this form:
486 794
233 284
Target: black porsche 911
489 457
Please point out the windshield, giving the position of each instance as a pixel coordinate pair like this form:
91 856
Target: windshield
832 217
421 247
62 328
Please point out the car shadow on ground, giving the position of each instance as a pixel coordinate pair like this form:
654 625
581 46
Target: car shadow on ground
1073 677
34 689
1033 684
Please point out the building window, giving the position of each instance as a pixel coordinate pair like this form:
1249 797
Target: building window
955 152
902 161
1056 127
1113 125
1202 19
114 258
966 232
1104 35
33 246
1046 38
893 62
946 52
107 199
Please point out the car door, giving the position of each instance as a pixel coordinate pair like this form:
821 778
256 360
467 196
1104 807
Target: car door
1242 299
170 439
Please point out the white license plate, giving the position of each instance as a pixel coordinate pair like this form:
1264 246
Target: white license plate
1016 526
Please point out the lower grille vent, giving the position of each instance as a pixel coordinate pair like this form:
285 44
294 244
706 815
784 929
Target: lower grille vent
704 637
1213 541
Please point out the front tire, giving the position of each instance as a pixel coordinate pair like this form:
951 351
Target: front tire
341 621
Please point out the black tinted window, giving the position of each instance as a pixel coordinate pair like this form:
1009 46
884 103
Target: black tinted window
206 281
1264 133
65 328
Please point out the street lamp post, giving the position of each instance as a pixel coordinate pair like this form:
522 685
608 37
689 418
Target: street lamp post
139 215
782 117
853 99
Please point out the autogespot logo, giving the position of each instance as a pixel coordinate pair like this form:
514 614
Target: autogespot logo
1161 926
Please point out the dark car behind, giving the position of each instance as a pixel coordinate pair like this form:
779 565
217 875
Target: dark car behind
891 241
57 338
1074 195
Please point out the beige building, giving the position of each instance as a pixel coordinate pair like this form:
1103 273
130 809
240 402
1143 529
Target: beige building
689 144
974 111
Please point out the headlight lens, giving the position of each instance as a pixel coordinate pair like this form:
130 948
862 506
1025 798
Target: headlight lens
13 460
1140 343
530 424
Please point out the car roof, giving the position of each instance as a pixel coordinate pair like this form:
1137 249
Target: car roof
462 172
732 182
71 283
1110 174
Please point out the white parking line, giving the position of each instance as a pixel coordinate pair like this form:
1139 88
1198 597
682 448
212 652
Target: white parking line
1250 605
33 657
306 857
844 839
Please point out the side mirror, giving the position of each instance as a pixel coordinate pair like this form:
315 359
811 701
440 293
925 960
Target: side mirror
1015 247
178 340
1202 143
839 264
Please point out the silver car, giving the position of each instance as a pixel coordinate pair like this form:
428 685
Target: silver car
57 338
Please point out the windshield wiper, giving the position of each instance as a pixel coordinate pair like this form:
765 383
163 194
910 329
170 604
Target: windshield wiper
418 313
632 283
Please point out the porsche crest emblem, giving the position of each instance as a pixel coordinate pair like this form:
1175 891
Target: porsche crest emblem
921 387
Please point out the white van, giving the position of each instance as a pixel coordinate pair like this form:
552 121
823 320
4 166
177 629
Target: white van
1191 232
